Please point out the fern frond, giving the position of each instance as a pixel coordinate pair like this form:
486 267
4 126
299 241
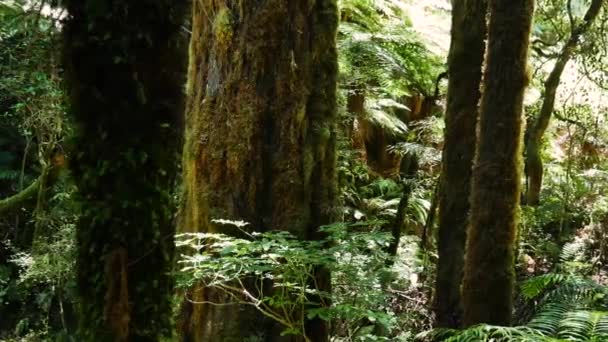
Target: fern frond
418 209
536 286
572 251
548 320
486 332
379 116
584 326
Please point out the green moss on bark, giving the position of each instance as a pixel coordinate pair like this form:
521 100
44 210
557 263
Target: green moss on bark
260 136
125 73
489 262
465 66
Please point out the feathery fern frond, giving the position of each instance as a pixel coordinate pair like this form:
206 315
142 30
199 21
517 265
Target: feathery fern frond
381 116
486 332
418 208
566 307
534 287
548 320
425 154
584 326
572 252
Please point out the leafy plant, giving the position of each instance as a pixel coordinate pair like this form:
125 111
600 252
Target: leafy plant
240 268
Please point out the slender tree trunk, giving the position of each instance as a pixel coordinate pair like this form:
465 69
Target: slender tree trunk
355 106
534 163
465 68
260 137
409 166
125 67
489 262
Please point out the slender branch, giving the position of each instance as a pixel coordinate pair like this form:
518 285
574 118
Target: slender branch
440 77
570 16
13 202
539 51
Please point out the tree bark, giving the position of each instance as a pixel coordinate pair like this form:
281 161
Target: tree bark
465 68
260 138
489 262
125 67
409 168
534 163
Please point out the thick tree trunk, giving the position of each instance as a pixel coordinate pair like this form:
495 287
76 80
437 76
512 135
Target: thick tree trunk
488 273
260 137
125 67
465 68
534 163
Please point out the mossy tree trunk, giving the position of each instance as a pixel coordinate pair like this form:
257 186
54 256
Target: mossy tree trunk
534 163
408 169
125 69
465 67
260 137
489 261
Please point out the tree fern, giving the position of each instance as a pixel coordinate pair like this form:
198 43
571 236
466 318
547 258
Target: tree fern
378 112
383 56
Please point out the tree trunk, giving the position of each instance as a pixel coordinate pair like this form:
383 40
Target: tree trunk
355 107
125 68
260 137
465 67
409 168
489 262
534 163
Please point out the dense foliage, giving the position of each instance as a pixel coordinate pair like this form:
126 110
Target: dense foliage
381 249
